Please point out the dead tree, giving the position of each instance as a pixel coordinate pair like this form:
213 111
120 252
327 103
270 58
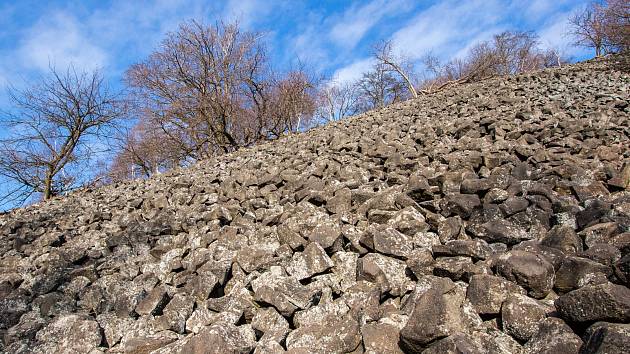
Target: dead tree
54 130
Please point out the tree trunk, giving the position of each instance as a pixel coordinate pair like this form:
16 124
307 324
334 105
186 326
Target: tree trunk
48 192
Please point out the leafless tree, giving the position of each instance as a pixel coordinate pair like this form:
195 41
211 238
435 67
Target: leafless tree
337 101
378 88
508 53
143 151
384 54
617 25
54 131
210 90
588 27
196 85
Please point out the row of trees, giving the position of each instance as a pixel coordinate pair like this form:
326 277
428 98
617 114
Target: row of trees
209 90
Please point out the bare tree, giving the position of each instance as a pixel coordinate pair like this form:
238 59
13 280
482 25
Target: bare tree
384 53
508 53
588 27
142 152
379 88
54 132
617 25
337 101
196 86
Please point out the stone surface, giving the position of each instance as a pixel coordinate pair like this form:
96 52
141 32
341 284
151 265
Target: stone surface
603 302
448 223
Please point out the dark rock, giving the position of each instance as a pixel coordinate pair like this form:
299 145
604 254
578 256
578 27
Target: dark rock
563 238
553 336
576 272
520 316
604 337
603 302
437 313
461 204
529 270
487 293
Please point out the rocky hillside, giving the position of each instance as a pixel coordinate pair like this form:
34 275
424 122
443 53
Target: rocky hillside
487 218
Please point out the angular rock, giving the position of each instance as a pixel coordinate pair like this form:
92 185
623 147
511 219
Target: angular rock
520 316
283 292
343 337
529 270
389 273
604 337
312 261
437 313
553 336
487 293
603 302
576 272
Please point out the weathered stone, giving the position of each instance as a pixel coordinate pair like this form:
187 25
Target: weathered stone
604 337
343 337
380 338
576 272
553 336
285 293
69 334
486 293
154 302
563 238
462 204
271 324
520 316
437 313
312 261
528 270
603 302
389 273
477 249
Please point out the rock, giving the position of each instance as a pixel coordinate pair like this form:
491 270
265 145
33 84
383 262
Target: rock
604 337
563 238
283 292
576 272
325 235
455 268
389 273
389 241
502 231
529 270
622 269
457 343
520 316
420 262
216 339
603 302
437 313
343 337
69 334
553 336
154 302
477 249
312 261
380 338
461 204
271 324
487 293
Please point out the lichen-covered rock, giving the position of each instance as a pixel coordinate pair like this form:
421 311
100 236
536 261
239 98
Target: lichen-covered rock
603 302
529 270
553 336
447 223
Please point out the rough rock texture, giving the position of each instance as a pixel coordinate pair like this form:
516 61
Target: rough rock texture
489 217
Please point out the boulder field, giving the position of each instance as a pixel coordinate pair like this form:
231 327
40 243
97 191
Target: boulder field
491 217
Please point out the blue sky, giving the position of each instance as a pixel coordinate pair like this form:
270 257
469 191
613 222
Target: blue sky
333 36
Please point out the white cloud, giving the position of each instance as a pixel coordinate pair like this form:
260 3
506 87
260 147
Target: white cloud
353 71
60 40
357 21
247 12
448 26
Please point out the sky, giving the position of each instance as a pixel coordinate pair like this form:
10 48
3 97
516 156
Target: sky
334 38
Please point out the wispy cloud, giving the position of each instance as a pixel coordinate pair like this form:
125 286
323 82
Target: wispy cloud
356 21
59 40
353 71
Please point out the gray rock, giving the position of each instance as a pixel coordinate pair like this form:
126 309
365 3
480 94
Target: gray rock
520 316
529 270
603 302
312 261
487 293
553 336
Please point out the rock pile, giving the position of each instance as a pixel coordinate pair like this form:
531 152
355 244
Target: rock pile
490 217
